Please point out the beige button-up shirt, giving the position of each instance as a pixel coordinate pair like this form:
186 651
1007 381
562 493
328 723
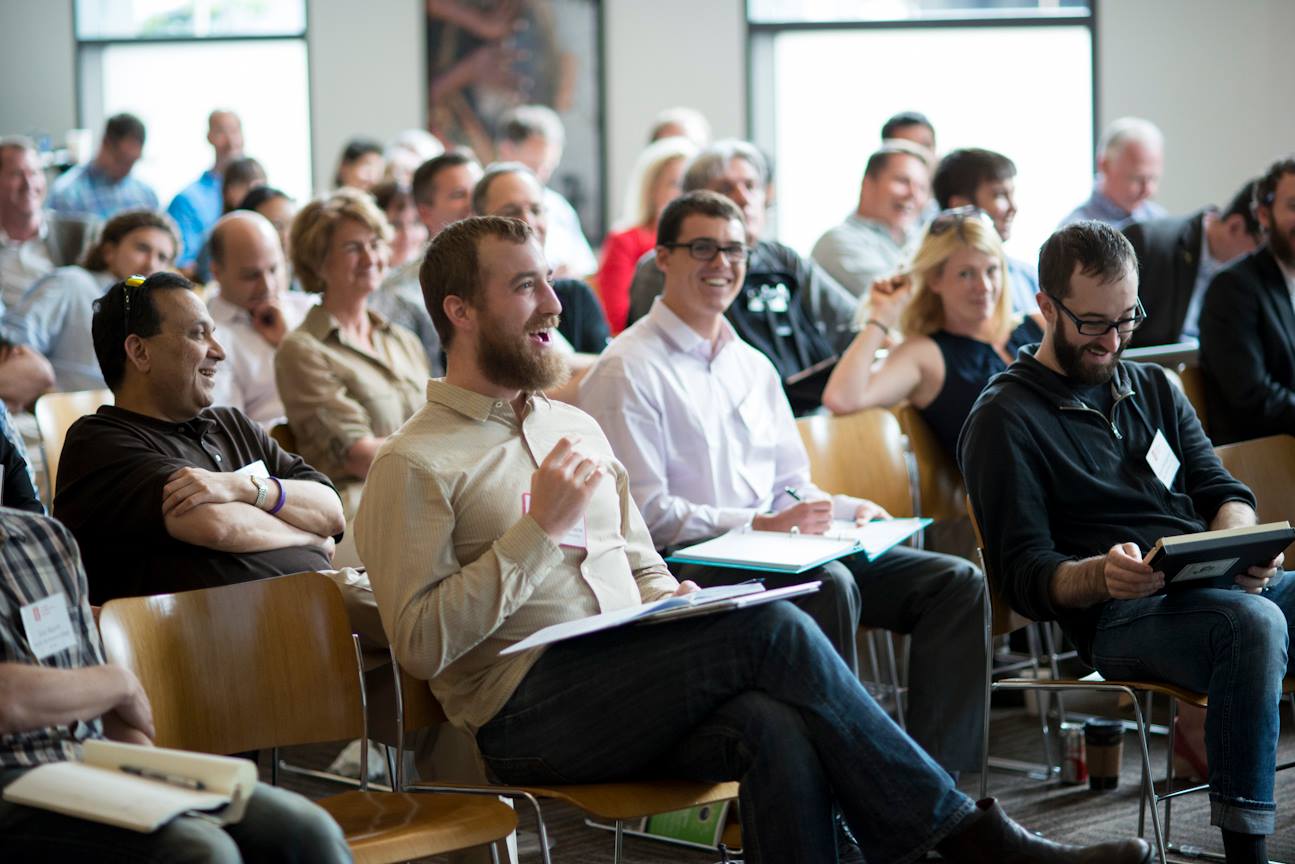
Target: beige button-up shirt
459 572
336 392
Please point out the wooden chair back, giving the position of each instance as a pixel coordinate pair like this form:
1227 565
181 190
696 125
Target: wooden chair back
863 454
940 488
261 664
1005 619
1267 466
55 414
284 437
1192 379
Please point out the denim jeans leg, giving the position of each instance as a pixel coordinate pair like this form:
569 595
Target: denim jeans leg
616 705
939 600
1231 645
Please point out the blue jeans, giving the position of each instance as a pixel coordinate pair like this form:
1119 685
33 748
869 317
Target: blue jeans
1232 646
757 696
279 826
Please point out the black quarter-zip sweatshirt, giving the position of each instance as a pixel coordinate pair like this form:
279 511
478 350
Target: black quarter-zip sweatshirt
1053 479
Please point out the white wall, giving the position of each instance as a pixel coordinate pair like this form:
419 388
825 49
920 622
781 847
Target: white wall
663 53
1214 75
367 74
37 65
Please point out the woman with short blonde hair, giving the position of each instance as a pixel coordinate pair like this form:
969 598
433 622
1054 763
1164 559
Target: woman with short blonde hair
953 311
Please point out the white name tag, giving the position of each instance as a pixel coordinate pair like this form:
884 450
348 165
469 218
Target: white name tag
253 469
49 629
577 537
1161 458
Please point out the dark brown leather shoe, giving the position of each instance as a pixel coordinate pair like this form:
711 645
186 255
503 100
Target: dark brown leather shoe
993 838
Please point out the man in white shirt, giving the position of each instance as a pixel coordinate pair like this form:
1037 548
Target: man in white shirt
533 135
699 419
253 311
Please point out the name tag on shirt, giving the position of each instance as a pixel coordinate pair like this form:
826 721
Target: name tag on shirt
254 469
1161 458
48 627
577 537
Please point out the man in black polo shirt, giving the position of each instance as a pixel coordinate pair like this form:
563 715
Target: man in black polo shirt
164 493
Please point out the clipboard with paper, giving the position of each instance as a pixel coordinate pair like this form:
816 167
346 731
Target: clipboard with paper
780 552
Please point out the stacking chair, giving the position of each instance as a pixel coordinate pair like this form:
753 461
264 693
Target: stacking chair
417 708
1193 383
866 455
273 663
939 482
55 414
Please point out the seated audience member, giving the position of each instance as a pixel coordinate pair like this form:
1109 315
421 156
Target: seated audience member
656 181
278 207
788 309
33 240
985 179
53 317
408 234
17 487
534 136
910 126
442 189
242 176
24 375
1248 324
348 377
462 568
56 701
957 325
1130 159
197 206
360 166
1178 257
407 151
253 311
1061 460
699 420
681 122
877 238
165 493
104 187
509 189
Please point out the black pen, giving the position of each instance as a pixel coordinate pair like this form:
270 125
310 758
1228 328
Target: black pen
793 492
163 777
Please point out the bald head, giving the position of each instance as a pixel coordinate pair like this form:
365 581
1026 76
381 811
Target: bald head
246 259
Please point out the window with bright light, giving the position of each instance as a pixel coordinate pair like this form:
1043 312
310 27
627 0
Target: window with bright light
820 97
172 62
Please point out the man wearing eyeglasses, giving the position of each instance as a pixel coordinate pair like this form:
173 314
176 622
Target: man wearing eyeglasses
699 420
1077 463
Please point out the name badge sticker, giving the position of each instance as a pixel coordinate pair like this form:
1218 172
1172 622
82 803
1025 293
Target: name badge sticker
578 535
1161 458
48 627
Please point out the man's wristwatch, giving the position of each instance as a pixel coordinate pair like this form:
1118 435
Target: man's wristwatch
262 492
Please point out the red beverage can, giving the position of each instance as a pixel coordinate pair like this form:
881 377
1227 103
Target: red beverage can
1074 755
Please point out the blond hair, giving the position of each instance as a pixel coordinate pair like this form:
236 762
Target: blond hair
313 227
924 314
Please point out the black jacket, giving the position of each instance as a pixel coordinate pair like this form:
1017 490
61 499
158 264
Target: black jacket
1169 257
1053 480
584 324
1248 350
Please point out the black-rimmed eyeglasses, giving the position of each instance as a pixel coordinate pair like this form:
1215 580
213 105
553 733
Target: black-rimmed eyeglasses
705 250
1100 327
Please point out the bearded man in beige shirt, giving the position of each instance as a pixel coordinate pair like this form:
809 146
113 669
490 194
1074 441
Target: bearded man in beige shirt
494 512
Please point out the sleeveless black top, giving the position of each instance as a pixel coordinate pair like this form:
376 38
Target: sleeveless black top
968 366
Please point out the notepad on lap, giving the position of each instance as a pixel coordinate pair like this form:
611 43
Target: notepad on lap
1217 557
102 789
877 537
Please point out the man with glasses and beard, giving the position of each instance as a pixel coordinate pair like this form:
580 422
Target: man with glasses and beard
494 512
1077 463
1248 324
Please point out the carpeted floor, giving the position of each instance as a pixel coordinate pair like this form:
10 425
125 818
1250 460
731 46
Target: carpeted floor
1070 813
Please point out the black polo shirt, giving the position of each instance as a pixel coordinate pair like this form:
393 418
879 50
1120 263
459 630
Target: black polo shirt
110 478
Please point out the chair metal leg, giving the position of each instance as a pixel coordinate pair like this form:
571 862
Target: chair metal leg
274 766
392 756
894 681
1148 785
1169 764
1042 697
619 853
989 690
